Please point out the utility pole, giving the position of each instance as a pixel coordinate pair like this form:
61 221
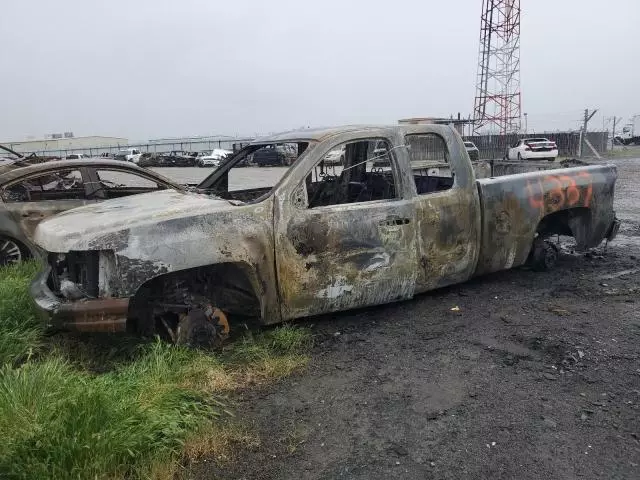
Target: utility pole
526 124
583 135
613 134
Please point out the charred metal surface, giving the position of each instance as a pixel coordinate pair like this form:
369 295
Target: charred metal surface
278 258
515 205
19 217
107 315
103 315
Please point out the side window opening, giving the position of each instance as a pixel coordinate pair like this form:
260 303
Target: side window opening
60 185
354 172
429 158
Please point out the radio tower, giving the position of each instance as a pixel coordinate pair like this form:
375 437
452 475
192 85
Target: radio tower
497 102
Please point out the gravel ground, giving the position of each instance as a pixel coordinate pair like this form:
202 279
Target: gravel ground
536 376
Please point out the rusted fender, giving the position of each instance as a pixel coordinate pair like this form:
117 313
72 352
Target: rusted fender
107 315
513 207
148 235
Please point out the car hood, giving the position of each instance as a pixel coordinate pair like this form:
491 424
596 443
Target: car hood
78 229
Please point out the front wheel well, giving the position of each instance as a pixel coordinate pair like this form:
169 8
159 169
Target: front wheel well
231 287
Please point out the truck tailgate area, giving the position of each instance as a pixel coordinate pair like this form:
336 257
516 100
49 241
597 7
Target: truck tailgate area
513 207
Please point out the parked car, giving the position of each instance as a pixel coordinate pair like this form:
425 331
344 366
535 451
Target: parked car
309 243
149 159
380 155
472 151
533 149
179 158
31 193
275 155
335 156
77 156
208 162
128 155
213 158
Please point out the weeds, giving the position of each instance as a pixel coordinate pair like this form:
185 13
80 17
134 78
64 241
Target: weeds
21 331
93 408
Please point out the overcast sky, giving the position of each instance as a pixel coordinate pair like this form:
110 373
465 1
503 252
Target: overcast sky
145 69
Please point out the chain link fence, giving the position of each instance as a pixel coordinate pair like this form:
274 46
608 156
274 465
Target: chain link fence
496 146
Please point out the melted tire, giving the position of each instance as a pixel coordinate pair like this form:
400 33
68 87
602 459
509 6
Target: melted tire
544 256
196 331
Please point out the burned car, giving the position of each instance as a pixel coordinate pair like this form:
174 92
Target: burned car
318 239
31 193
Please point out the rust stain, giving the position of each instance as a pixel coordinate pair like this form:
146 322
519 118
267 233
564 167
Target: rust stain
107 315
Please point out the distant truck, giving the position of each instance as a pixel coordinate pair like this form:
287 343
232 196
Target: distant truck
630 132
316 239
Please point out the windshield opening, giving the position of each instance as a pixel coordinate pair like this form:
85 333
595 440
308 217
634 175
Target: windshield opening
250 176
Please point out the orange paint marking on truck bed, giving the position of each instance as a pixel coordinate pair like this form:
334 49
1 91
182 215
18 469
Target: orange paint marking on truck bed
555 192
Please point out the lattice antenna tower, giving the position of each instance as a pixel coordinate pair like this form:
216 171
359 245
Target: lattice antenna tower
497 104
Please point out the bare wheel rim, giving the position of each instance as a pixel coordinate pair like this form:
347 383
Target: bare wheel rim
10 252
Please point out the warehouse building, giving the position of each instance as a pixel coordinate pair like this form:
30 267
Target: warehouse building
65 142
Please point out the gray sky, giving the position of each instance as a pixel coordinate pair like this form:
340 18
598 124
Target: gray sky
152 68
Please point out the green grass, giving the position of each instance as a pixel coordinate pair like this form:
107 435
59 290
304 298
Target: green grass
91 407
21 333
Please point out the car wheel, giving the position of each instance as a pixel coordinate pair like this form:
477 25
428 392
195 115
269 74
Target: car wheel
552 159
544 256
197 331
11 252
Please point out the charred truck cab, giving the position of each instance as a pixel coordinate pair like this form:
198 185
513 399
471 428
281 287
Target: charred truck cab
401 213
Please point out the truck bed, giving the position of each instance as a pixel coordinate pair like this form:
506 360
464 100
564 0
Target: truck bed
515 208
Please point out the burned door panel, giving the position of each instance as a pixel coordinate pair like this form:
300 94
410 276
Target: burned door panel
448 232
337 258
447 211
346 240
36 198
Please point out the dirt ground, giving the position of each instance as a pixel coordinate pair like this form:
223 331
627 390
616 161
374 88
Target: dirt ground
536 376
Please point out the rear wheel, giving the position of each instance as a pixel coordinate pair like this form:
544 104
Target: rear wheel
11 252
551 159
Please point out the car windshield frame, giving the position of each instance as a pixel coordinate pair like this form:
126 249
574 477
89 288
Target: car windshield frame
232 160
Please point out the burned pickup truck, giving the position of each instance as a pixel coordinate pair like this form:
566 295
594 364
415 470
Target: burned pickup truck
317 238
